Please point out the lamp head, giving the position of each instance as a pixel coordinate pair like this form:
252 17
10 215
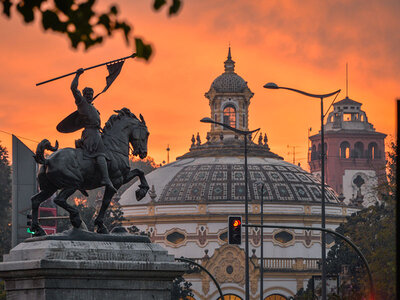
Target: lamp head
271 85
207 120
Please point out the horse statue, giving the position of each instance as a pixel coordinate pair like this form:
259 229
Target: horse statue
68 170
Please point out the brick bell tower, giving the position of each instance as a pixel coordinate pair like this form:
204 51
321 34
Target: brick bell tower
355 154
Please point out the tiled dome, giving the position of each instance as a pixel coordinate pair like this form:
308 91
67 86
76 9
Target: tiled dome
221 180
229 82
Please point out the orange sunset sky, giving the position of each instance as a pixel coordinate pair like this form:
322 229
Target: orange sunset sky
299 44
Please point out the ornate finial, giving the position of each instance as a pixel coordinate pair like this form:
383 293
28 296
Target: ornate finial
193 140
260 139
229 63
198 139
347 81
168 149
265 140
152 192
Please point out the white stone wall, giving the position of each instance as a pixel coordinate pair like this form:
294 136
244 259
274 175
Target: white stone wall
367 189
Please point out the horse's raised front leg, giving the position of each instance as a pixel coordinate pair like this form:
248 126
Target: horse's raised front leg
36 200
61 200
99 222
143 186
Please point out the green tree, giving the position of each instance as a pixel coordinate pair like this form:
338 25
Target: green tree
5 203
113 217
5 211
372 229
81 22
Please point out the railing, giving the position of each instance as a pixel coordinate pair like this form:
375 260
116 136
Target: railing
296 264
283 264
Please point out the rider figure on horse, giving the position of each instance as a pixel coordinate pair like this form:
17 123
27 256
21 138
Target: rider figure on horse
91 141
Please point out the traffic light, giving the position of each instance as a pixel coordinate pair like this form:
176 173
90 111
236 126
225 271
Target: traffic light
234 230
29 223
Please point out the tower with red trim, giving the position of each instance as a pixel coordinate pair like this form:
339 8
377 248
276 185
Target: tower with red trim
355 153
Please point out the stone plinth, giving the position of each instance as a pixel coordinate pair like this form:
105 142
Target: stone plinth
79 269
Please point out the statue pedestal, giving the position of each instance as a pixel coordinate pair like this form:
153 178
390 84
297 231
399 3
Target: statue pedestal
79 269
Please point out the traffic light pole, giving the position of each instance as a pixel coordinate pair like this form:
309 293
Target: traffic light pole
371 283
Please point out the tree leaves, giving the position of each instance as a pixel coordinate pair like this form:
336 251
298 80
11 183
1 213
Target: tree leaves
143 50
372 229
173 8
82 23
5 202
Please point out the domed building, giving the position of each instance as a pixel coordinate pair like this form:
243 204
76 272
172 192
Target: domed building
187 207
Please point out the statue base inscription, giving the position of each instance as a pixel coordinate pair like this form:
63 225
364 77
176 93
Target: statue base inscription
81 269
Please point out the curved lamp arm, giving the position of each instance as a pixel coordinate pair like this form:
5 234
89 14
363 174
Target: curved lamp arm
274 86
242 132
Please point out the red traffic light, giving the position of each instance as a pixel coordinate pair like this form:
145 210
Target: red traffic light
236 223
234 230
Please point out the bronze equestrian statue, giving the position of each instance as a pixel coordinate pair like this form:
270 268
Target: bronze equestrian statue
100 159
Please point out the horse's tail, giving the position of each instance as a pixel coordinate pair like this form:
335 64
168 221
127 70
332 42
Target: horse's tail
44 145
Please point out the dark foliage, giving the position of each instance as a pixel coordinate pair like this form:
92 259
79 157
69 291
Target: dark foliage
372 229
5 202
113 218
81 22
181 289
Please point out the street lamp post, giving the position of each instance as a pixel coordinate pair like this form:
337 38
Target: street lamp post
245 134
262 241
272 85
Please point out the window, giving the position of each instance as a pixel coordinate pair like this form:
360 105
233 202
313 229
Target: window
175 237
283 237
187 298
314 152
358 150
372 150
344 150
230 297
224 236
275 297
230 116
346 117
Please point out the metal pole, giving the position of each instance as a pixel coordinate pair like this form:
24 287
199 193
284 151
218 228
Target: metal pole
262 245
371 283
323 237
92 67
246 220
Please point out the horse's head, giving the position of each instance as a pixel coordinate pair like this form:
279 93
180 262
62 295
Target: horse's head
138 138
125 128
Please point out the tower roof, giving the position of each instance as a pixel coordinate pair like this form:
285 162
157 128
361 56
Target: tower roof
229 81
347 101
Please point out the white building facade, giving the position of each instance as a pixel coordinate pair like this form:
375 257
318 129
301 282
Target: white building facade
187 207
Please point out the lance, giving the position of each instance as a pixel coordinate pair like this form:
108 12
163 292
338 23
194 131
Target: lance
92 67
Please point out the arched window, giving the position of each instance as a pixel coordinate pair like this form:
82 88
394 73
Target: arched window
230 116
230 297
358 150
319 151
344 150
275 297
372 150
314 152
